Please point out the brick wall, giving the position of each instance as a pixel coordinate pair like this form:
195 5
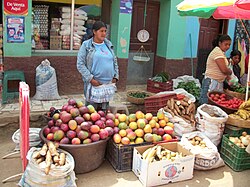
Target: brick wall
174 68
123 68
69 80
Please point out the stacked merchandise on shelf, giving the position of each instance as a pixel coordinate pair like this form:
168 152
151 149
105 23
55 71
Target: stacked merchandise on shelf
41 26
79 29
1 60
55 38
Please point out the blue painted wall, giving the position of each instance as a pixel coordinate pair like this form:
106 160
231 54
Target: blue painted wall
192 37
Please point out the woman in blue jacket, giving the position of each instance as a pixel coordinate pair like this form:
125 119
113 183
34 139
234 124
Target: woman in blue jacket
98 66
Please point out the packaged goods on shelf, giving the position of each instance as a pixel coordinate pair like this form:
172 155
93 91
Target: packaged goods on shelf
41 19
55 23
55 42
65 9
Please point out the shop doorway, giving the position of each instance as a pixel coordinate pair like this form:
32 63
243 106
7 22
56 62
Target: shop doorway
209 29
138 73
151 24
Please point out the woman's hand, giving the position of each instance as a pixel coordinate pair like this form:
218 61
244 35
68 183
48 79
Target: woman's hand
114 80
95 82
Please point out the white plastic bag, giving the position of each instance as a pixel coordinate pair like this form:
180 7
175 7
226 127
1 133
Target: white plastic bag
205 158
34 139
46 83
62 176
185 78
212 127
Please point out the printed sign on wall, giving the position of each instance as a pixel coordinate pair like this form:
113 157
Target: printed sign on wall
126 6
16 7
15 29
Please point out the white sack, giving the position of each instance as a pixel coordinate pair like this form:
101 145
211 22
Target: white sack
212 127
46 83
205 158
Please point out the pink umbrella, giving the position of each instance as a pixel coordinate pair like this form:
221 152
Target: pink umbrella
231 12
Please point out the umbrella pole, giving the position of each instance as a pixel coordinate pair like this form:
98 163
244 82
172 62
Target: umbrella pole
192 62
248 75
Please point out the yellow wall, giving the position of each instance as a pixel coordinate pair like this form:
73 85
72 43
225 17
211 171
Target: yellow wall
81 2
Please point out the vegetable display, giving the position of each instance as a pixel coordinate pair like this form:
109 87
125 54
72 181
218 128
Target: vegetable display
191 88
239 88
139 94
161 77
221 99
183 108
49 154
243 141
243 111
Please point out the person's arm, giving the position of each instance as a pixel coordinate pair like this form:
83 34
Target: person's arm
82 64
223 67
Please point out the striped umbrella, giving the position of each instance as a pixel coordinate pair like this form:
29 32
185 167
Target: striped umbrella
219 9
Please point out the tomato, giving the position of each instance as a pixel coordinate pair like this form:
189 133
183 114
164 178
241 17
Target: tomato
217 95
235 106
223 99
212 95
223 96
215 98
180 96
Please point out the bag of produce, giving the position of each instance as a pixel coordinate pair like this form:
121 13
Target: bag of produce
181 126
35 175
46 83
211 122
206 153
188 83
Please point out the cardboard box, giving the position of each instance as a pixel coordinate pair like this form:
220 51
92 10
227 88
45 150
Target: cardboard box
164 171
56 42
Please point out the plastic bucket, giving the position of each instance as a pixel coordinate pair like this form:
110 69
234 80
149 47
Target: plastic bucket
88 157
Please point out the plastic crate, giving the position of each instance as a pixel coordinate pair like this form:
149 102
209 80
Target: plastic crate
154 103
235 157
235 131
156 87
120 156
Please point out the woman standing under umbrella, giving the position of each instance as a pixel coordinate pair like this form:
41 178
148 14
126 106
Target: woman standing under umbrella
216 67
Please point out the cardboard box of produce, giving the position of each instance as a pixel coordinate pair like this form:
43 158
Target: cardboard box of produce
163 171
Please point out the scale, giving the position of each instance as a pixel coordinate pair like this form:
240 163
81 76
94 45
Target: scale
143 36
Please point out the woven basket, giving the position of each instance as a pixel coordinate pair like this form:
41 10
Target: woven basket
235 94
135 100
238 122
226 109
